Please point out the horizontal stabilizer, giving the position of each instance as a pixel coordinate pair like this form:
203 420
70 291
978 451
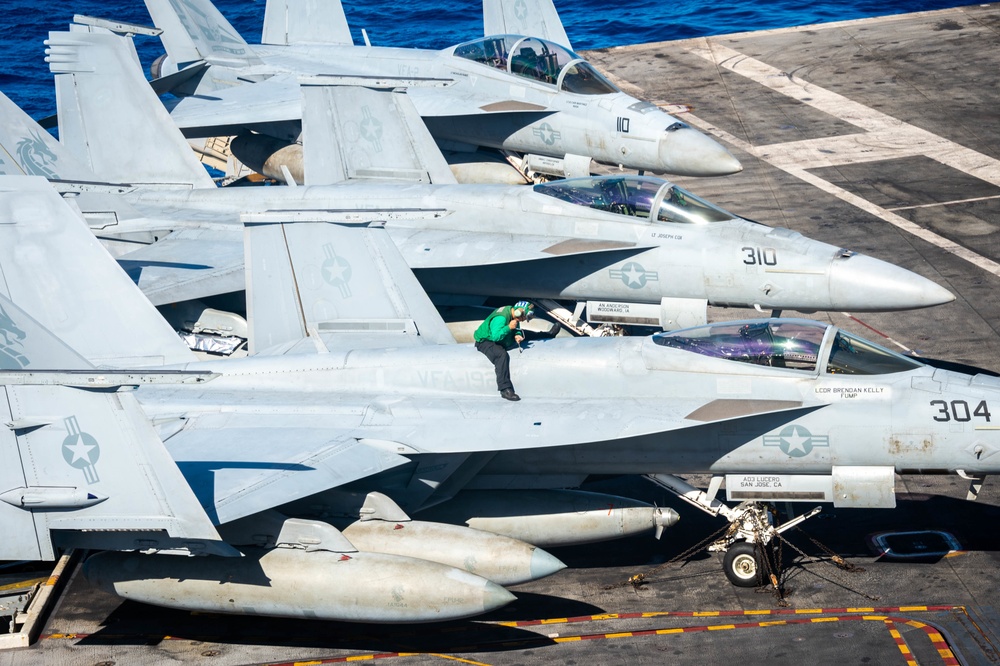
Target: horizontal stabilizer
53 269
289 22
536 18
367 129
308 277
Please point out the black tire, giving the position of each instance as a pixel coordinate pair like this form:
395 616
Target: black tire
743 565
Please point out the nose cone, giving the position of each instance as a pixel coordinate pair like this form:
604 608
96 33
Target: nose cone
543 564
688 152
864 283
495 597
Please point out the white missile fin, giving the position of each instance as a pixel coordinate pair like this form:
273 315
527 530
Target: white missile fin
314 535
379 507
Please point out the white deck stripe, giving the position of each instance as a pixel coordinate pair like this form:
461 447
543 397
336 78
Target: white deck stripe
945 203
884 138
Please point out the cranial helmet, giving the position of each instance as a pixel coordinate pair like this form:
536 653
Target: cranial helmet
524 309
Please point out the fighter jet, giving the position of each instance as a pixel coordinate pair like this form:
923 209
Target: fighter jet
355 384
614 241
523 94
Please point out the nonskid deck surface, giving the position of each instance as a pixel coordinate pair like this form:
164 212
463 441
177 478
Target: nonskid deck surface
926 604
879 135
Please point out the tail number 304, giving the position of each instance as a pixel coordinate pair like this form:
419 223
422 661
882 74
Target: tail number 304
958 410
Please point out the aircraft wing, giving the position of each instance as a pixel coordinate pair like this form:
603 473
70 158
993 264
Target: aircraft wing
447 249
239 465
245 460
319 283
187 264
278 100
288 22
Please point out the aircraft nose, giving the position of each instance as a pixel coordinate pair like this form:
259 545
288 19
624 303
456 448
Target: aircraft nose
688 152
877 285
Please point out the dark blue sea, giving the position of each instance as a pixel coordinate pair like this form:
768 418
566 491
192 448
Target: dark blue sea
433 24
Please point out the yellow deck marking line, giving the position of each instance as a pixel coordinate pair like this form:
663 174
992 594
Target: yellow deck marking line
24 583
458 659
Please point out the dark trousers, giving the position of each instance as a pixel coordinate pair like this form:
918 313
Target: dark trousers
501 362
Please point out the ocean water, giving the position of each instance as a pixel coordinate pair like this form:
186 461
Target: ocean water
432 24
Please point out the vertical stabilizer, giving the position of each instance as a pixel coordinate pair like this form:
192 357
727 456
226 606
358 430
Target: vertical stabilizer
534 18
54 269
288 22
343 287
111 119
356 128
194 30
28 150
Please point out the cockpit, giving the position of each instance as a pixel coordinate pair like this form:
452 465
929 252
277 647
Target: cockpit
537 59
636 196
797 344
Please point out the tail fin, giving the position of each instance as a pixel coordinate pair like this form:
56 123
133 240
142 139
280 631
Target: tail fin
367 129
195 30
111 118
56 271
534 18
28 150
337 287
305 22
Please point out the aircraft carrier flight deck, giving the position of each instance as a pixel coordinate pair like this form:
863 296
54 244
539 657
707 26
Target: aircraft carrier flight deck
881 135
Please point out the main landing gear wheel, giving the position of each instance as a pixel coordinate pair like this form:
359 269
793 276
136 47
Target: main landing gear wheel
743 565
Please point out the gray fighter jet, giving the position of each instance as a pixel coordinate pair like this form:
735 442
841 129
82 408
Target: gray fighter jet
615 241
355 385
524 94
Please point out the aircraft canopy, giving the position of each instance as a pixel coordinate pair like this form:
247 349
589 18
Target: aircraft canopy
636 196
537 59
789 343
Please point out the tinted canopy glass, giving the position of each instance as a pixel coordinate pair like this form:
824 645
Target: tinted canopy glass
537 59
777 343
636 196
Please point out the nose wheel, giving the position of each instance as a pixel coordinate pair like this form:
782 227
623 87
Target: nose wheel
743 565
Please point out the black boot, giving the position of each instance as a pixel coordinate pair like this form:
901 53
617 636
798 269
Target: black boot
508 394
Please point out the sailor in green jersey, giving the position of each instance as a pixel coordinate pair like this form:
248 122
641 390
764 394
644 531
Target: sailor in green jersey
498 332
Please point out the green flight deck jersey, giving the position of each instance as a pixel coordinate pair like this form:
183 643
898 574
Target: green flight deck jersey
495 327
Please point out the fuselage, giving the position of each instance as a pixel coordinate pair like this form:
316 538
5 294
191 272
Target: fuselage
524 242
495 105
785 395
